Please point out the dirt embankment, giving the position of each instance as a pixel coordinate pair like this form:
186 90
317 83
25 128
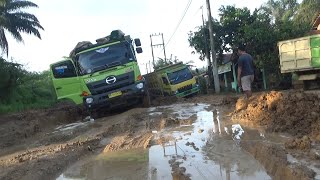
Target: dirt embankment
19 127
296 113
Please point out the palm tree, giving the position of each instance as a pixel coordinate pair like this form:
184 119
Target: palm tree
281 10
308 11
15 21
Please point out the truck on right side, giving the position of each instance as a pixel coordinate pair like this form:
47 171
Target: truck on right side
301 56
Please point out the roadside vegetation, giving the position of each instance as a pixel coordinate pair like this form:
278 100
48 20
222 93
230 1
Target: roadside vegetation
21 89
259 30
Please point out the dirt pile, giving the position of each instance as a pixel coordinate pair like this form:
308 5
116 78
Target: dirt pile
16 128
299 143
296 113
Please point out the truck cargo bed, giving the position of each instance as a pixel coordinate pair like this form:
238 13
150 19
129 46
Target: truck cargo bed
301 54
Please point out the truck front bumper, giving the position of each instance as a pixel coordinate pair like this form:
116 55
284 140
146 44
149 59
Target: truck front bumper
188 92
123 96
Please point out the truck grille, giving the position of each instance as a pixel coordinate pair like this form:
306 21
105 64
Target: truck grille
101 87
185 88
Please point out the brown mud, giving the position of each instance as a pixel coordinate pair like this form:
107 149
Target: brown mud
43 144
293 112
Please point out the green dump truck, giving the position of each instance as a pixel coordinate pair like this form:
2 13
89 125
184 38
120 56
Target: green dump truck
173 80
101 75
301 56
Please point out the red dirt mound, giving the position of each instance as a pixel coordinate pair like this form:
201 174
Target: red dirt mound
296 113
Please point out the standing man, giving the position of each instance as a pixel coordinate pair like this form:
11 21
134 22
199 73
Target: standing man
245 71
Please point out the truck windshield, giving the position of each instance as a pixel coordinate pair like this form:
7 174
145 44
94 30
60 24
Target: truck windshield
105 57
180 76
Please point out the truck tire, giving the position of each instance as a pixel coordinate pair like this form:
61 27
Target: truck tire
311 84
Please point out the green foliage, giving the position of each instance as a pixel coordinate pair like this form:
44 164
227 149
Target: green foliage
202 84
199 40
281 10
20 89
259 30
15 21
160 63
307 13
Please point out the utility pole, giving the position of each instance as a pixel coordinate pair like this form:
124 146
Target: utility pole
213 51
156 45
150 66
164 48
207 53
147 68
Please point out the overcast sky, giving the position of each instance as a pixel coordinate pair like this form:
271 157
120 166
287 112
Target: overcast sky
67 22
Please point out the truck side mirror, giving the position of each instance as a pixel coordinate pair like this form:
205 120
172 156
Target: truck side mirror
139 50
137 42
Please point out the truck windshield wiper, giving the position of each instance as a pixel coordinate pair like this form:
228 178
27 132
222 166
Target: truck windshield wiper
99 68
103 67
113 64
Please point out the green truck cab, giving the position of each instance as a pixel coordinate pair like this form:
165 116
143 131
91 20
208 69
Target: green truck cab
101 75
173 80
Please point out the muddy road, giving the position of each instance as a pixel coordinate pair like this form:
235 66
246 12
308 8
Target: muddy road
205 137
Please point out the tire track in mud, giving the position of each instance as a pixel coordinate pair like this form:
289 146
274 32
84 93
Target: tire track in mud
127 130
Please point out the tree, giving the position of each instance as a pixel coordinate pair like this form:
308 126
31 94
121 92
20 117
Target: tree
260 30
281 10
307 12
197 39
239 26
160 63
15 21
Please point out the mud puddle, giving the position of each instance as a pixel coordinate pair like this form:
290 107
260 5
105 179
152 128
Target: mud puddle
204 146
70 127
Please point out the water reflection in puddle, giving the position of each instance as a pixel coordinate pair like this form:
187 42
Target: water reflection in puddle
199 151
71 126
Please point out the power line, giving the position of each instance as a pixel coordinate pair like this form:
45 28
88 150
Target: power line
175 30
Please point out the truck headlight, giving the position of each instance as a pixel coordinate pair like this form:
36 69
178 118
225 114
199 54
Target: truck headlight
89 100
176 92
139 86
197 85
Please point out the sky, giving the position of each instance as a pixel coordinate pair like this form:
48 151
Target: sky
67 22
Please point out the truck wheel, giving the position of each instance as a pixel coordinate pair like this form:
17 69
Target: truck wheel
311 84
298 85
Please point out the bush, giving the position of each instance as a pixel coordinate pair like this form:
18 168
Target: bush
202 84
21 90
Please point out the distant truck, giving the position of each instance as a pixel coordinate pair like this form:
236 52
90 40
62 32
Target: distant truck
301 56
101 75
173 80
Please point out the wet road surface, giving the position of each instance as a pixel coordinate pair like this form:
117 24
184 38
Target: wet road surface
206 148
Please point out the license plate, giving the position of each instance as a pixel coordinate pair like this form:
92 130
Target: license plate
115 94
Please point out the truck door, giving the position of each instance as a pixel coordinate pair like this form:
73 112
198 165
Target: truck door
66 82
165 85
